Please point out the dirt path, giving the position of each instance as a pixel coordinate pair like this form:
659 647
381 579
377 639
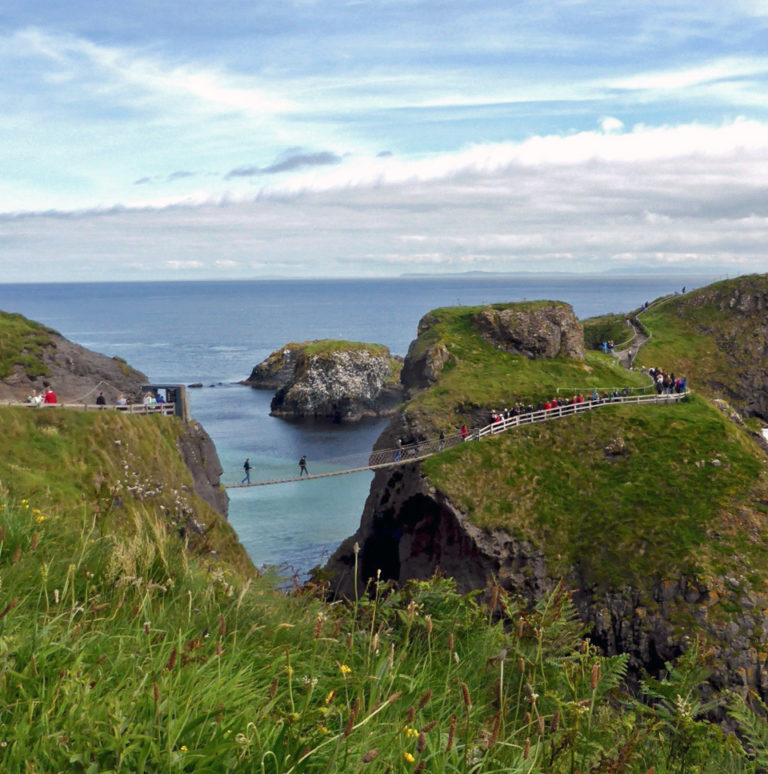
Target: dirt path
628 352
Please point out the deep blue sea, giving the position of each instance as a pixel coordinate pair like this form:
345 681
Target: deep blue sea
215 332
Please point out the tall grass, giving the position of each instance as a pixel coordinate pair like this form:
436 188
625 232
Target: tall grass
119 652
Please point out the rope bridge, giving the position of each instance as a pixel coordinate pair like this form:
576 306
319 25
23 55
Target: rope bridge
405 455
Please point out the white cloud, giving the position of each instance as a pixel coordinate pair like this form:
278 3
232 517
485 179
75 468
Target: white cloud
176 265
610 124
78 58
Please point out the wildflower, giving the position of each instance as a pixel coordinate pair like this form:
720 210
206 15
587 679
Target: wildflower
345 670
329 697
183 748
323 730
409 732
40 518
408 757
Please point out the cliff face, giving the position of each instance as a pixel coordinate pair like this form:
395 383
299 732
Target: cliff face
199 454
659 544
410 529
276 370
340 381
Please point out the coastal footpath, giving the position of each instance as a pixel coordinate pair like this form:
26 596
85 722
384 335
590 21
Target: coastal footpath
653 517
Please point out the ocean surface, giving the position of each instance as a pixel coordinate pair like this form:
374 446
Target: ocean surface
215 332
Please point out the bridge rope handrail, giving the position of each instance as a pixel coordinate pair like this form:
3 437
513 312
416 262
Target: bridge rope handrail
410 453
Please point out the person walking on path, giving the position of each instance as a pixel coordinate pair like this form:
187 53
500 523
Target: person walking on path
247 469
303 465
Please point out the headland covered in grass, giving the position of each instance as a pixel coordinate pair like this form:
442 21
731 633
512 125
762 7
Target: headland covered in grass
680 489
478 377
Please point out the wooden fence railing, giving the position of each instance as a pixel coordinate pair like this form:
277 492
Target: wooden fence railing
432 446
134 408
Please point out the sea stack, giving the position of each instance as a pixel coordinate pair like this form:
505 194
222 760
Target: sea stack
341 381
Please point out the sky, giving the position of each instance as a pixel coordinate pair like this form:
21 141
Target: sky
329 138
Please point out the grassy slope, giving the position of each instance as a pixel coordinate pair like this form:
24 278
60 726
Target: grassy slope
657 510
700 334
107 463
120 653
21 344
481 376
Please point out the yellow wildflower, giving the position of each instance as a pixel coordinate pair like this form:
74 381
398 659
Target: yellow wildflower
408 757
40 518
323 730
183 748
345 670
329 697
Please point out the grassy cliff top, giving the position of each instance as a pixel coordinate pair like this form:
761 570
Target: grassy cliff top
478 375
121 467
687 492
21 344
327 346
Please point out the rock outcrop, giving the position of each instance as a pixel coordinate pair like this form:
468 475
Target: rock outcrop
542 329
426 357
199 454
338 381
73 372
276 370
410 530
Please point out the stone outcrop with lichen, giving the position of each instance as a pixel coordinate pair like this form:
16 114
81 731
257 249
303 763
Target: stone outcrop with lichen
342 382
543 329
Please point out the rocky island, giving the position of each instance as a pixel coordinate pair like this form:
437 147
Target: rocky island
342 381
660 544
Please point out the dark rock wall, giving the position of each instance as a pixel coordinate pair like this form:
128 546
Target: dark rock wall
199 454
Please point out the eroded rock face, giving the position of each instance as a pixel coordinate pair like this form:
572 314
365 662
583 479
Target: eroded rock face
199 454
409 530
276 371
541 330
341 385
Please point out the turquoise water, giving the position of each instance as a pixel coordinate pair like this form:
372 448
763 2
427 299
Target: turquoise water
215 332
